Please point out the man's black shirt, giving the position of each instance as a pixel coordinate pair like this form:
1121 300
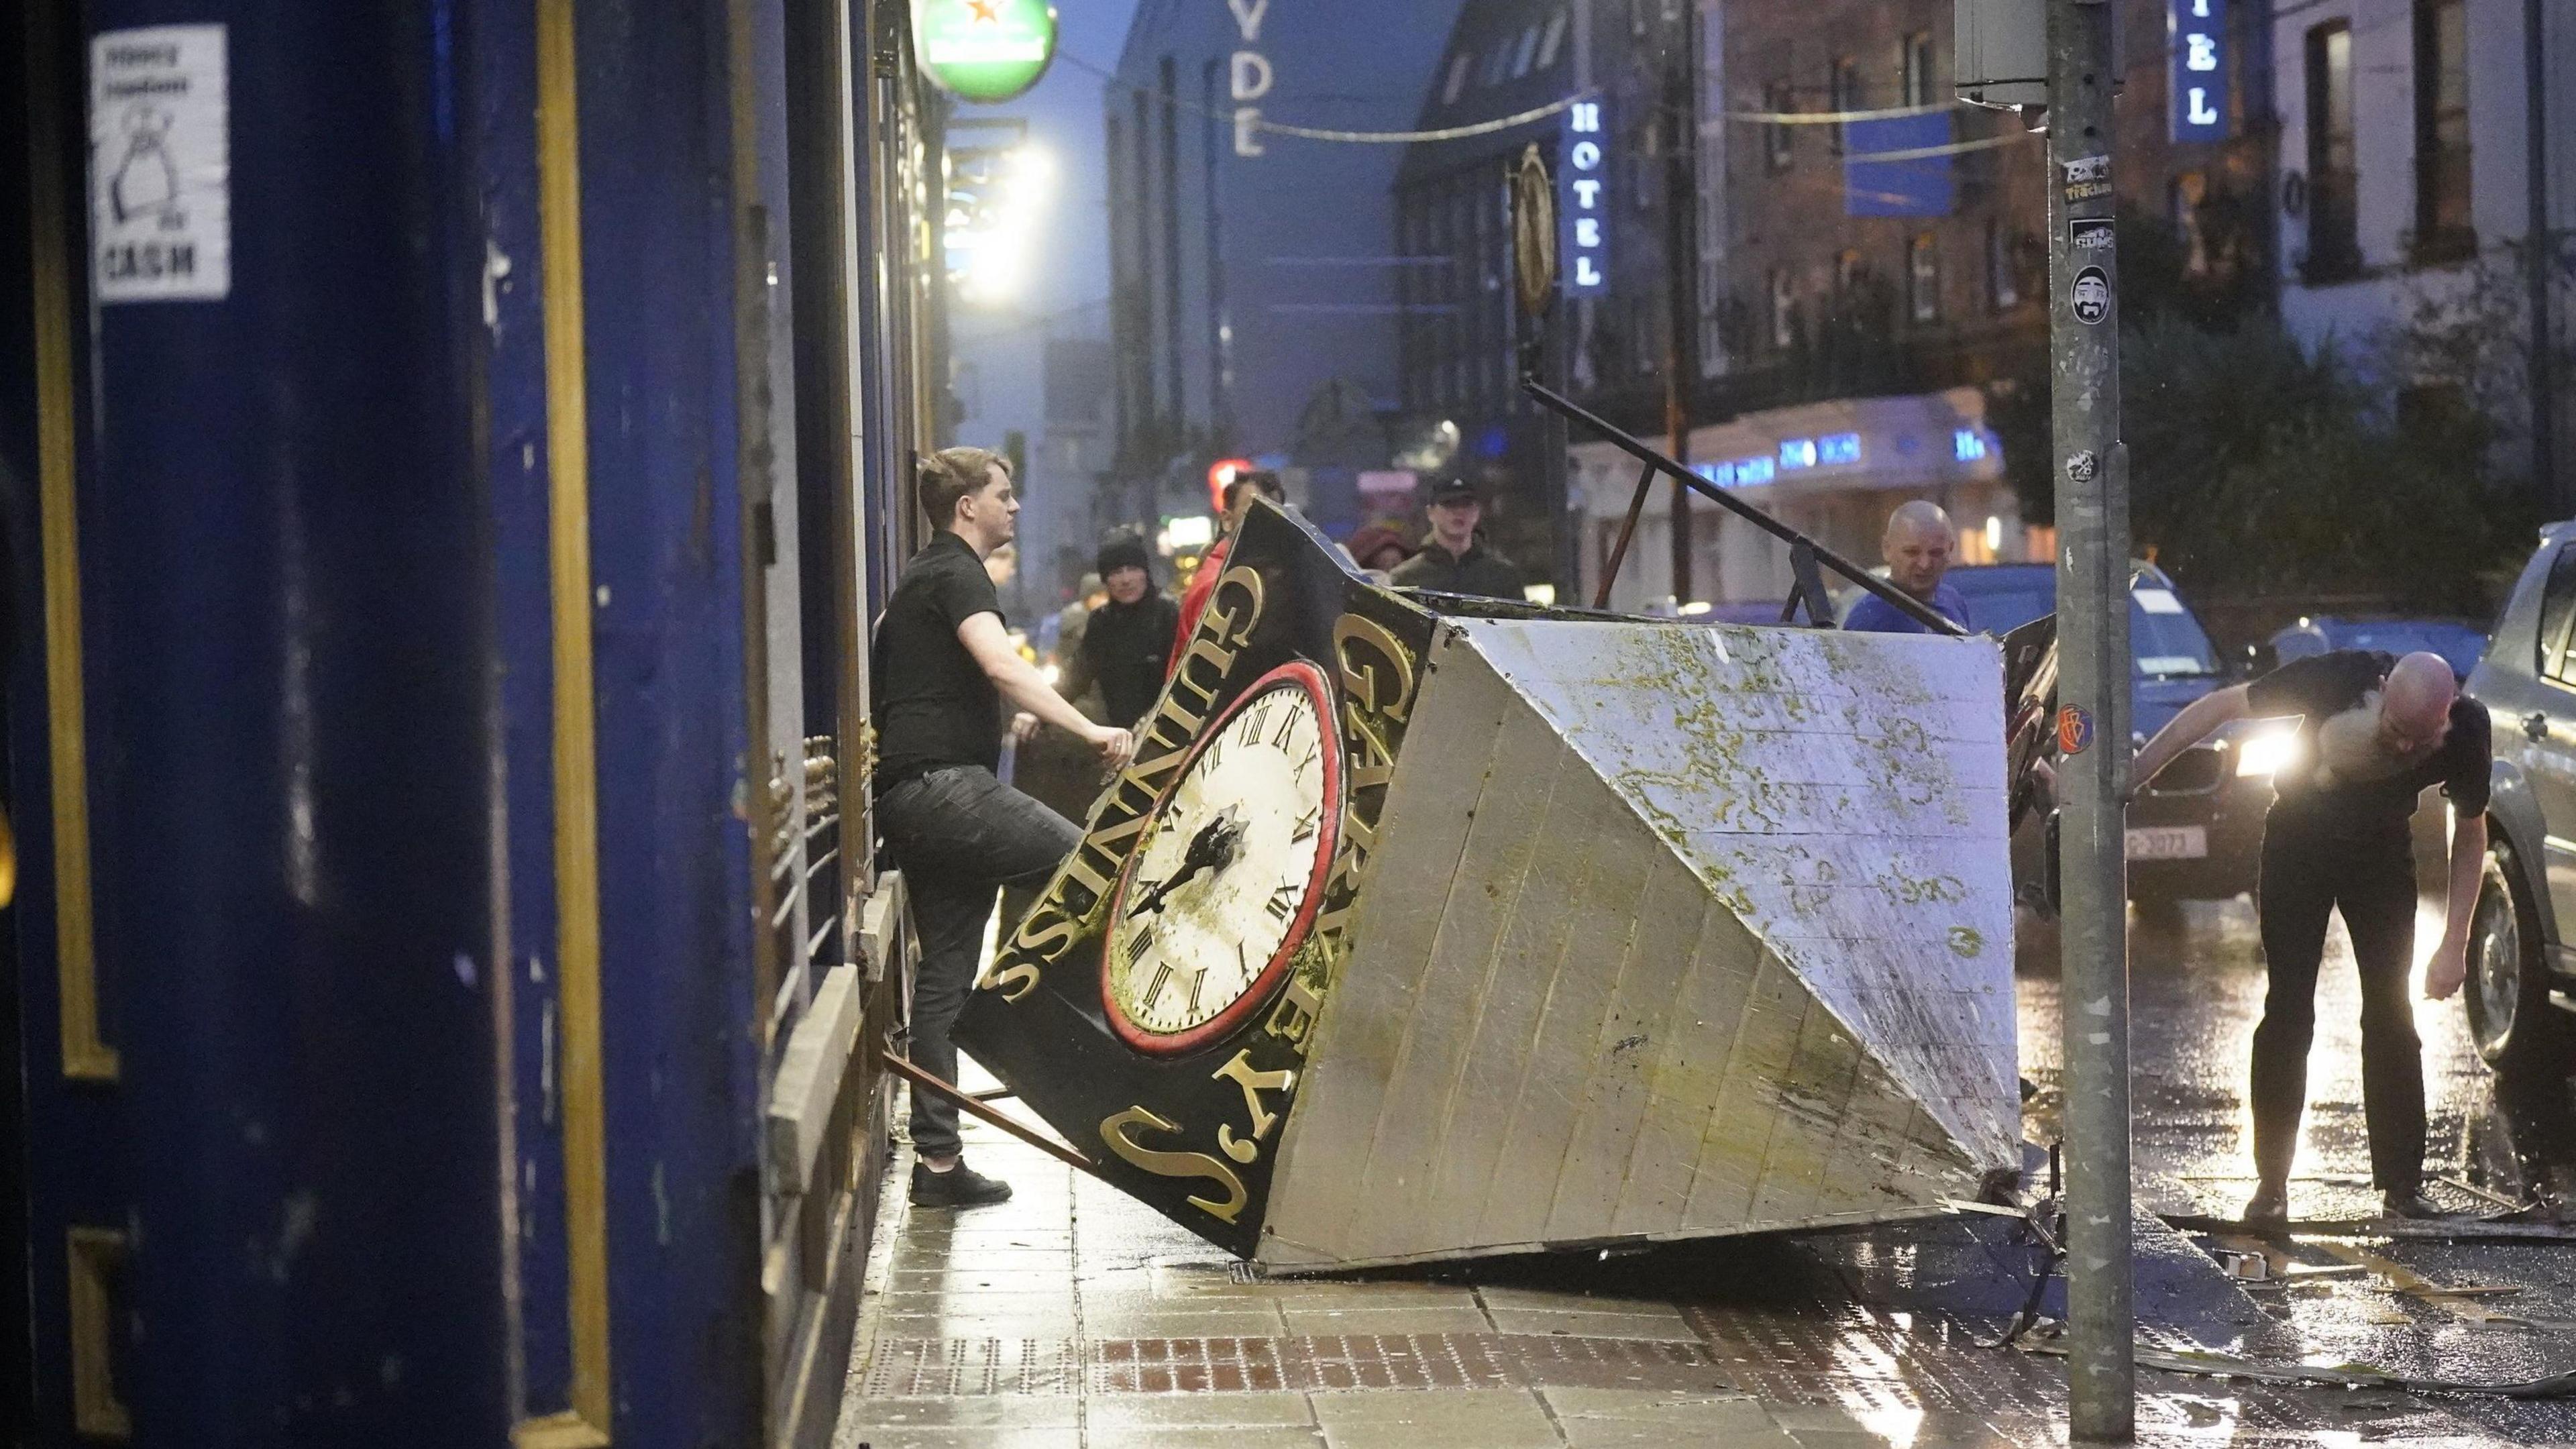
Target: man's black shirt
2324 685
1478 571
934 706
1125 648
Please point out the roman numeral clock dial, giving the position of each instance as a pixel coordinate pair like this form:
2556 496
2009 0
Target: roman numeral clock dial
1212 907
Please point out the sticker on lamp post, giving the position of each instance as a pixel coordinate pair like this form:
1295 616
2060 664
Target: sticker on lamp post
2090 296
985 50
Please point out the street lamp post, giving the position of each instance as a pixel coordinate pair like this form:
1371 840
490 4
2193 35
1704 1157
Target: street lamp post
2091 468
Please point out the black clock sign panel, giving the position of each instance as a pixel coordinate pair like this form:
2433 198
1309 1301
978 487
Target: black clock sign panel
1155 1004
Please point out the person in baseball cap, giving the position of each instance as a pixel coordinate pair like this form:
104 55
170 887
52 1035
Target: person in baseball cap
1128 640
1454 559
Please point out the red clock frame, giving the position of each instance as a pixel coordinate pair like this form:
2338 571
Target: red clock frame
1298 674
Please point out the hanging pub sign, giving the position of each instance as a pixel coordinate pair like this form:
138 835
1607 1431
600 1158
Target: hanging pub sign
2197 30
1584 210
984 50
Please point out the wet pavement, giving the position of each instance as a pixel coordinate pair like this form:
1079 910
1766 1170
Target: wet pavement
1073 1316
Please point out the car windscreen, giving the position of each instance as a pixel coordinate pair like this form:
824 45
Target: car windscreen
2458 644
2001 605
2165 639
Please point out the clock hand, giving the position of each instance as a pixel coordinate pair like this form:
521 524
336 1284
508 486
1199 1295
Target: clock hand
1210 849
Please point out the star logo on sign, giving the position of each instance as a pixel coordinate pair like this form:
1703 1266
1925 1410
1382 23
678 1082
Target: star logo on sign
983 12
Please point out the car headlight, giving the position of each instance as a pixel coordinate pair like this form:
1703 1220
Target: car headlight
2268 754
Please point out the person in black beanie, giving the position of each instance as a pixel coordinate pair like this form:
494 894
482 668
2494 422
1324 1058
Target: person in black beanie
1128 640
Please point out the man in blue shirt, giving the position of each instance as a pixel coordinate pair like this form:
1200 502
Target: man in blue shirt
1917 546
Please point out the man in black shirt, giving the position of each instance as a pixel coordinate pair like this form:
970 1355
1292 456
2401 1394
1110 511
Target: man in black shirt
942 667
1454 560
1127 641
2374 731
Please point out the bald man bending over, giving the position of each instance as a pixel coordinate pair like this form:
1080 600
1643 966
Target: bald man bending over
2374 732
1918 545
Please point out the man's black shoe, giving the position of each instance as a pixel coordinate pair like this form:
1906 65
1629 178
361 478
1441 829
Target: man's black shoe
2268 1208
959 1186
2411 1203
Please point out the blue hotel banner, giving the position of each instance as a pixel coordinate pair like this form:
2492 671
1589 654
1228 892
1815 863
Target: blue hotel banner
2196 32
1583 202
1910 185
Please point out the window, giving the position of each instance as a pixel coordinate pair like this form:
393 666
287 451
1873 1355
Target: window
1784 309
1555 38
1498 62
1914 69
2003 289
1923 278
1842 93
1846 275
1457 82
2334 243
2443 230
2183 198
1527 52
1778 141
2557 601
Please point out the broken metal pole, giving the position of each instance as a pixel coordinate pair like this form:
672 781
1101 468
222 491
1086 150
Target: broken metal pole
2093 718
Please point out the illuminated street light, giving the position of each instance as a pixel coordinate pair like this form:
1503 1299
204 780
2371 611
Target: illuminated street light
993 224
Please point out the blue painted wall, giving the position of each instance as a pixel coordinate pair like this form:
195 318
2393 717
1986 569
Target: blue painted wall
319 648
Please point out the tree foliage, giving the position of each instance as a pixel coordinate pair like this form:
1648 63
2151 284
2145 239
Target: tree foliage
2259 468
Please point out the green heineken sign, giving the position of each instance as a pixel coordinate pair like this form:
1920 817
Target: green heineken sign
985 50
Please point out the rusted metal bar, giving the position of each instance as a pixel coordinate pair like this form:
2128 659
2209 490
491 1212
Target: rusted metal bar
1611 433
1627 531
966 1102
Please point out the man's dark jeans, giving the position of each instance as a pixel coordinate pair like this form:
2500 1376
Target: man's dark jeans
2309 873
959 835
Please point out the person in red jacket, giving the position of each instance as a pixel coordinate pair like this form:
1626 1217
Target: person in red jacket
1238 501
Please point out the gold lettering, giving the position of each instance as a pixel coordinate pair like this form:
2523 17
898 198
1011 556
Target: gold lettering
1355 641
1239 1071
1233 607
1014 982
1113 1132
1046 942
1372 760
1293 1019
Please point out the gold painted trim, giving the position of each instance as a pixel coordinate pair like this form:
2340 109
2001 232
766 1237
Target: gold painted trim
585 1424
92 1256
567 1430
86 1057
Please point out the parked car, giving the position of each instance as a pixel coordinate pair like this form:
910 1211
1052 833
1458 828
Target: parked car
2456 640
2519 956
2196 830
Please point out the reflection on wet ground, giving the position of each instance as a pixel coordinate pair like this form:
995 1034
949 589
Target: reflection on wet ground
1074 1316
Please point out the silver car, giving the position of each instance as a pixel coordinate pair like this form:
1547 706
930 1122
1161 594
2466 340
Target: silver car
2520 960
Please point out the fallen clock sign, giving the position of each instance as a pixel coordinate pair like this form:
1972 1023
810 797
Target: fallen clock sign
1426 927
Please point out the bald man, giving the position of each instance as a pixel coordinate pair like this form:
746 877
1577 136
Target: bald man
1918 545
2373 732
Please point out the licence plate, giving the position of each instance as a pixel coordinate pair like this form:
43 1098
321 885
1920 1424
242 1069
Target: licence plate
2169 842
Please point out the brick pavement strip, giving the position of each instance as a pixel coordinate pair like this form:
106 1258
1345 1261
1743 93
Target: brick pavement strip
1073 1318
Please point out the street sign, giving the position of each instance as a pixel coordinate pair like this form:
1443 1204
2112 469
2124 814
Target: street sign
984 50
2198 51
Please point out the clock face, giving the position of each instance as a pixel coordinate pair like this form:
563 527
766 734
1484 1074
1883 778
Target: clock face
1218 896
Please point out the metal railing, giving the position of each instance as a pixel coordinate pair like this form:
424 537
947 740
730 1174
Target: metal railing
1806 556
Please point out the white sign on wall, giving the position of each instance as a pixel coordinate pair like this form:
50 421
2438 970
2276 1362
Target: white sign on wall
1248 75
160 165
